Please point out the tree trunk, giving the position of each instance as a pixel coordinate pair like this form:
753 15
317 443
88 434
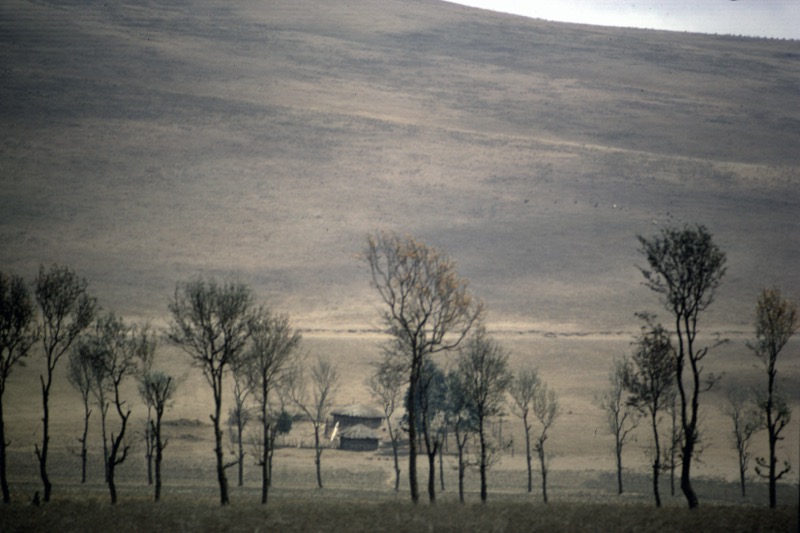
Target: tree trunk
218 451
673 442
543 465
544 481
461 469
657 458
41 454
318 451
742 477
656 493
773 460
528 451
112 487
103 413
619 466
412 431
241 456
689 424
84 454
773 437
159 454
116 444
264 460
686 484
432 476
482 437
394 438
3 443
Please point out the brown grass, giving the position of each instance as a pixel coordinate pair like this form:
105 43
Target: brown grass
317 513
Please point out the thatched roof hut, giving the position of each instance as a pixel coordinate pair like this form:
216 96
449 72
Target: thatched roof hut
358 438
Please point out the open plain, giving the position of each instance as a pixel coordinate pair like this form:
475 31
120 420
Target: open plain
147 142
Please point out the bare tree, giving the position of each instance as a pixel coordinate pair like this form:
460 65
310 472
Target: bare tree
776 322
483 365
145 369
650 377
273 348
545 408
66 310
686 268
522 390
313 392
211 322
621 417
746 418
116 351
386 385
429 310
158 390
17 335
80 374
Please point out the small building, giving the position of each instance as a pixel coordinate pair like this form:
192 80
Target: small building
357 414
358 438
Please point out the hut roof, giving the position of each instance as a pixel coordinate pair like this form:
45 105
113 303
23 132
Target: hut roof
358 410
359 431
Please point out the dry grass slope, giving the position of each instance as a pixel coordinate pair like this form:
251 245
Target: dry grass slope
147 142
313 514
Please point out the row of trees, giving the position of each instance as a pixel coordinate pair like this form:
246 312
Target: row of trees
218 326
685 268
460 403
428 310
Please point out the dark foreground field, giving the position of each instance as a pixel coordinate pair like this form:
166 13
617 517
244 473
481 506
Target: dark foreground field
314 513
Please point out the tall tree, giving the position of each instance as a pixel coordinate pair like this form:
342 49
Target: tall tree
273 348
686 267
429 309
145 368
158 389
621 417
430 402
483 365
211 322
522 390
17 335
313 391
545 409
649 377
80 374
776 322
116 350
386 385
746 419
66 309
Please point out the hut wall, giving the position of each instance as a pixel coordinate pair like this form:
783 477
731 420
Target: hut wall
358 445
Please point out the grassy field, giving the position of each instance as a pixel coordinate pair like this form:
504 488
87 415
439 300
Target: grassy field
315 512
146 142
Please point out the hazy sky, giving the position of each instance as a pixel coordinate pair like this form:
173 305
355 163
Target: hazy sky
763 18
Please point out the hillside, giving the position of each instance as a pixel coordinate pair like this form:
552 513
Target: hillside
146 142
